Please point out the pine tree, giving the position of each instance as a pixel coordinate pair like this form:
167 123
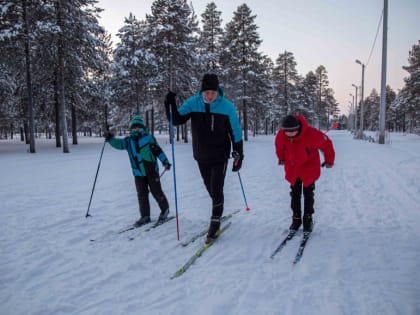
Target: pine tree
286 76
171 38
321 110
134 68
309 88
240 58
209 43
412 92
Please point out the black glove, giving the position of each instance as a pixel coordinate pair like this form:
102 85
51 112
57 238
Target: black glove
167 166
170 99
237 161
108 135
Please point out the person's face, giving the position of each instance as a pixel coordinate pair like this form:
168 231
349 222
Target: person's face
209 96
291 134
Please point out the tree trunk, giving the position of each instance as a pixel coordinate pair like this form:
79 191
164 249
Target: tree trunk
153 121
244 113
60 52
29 81
57 111
73 124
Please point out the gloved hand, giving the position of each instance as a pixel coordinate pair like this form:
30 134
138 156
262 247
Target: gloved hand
170 99
108 135
237 161
281 162
327 165
167 166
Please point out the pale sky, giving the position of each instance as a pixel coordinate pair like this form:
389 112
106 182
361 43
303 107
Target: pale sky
332 33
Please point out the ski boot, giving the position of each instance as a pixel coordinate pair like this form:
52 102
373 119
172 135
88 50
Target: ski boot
163 216
142 221
307 223
296 223
213 229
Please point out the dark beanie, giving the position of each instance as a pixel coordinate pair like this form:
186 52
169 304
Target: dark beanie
210 82
290 123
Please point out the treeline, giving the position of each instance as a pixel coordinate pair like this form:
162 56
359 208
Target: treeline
402 108
61 76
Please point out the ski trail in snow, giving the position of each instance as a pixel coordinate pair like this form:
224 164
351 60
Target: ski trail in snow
363 256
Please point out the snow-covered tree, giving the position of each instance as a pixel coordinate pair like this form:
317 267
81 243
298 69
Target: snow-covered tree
209 43
135 68
240 59
286 76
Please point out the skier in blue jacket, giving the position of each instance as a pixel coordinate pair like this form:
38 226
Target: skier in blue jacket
215 129
143 152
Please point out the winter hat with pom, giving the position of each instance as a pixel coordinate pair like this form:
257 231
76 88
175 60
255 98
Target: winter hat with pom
137 121
210 82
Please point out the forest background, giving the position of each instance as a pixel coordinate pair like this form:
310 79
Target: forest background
61 76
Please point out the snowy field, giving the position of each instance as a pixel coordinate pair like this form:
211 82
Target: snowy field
363 256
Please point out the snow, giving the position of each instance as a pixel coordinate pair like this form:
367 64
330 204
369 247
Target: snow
363 256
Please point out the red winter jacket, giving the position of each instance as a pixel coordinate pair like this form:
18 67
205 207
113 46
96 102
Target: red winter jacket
300 154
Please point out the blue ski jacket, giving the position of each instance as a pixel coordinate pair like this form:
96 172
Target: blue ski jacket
143 151
215 127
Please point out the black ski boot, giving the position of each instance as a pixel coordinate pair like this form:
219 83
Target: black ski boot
213 229
296 223
142 221
163 216
307 223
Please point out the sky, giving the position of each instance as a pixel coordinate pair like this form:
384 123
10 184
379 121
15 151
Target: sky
363 256
318 32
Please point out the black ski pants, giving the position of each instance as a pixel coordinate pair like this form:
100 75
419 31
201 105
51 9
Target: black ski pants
308 198
143 184
214 179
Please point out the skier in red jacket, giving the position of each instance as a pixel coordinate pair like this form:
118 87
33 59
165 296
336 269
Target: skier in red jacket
297 146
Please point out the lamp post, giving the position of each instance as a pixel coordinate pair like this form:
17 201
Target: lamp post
382 108
361 98
355 110
352 107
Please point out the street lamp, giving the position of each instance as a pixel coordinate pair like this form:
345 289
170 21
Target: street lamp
350 121
361 99
352 108
355 110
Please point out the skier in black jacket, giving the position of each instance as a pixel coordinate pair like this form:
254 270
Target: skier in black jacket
215 128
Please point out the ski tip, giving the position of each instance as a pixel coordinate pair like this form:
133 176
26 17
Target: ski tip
178 273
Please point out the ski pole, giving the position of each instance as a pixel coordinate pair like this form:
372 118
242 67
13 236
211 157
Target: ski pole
243 192
96 176
236 156
163 172
171 131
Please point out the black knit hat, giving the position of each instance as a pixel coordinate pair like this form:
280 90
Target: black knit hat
290 123
210 82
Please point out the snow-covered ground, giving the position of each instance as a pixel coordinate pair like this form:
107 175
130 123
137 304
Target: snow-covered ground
363 257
